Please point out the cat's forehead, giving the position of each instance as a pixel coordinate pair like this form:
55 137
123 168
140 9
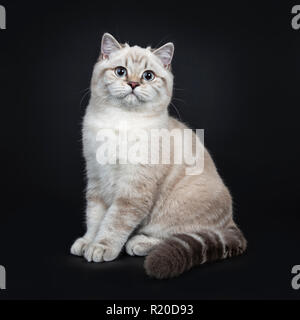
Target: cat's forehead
137 53
136 57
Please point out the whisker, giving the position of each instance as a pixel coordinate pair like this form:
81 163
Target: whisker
80 104
173 105
178 99
86 89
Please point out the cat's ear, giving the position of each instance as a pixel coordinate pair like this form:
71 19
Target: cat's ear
165 53
108 45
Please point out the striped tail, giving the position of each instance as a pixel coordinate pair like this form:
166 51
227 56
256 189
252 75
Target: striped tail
181 252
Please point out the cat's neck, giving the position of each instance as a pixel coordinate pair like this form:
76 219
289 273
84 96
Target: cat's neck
134 117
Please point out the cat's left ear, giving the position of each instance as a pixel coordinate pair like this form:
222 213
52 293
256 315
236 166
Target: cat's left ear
109 45
165 54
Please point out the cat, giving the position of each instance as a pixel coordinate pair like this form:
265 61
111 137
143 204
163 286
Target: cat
176 220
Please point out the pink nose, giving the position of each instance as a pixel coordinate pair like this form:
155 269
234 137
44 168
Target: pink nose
133 84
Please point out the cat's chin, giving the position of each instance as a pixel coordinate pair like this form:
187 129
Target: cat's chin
131 100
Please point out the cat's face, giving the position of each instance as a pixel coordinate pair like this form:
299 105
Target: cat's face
133 77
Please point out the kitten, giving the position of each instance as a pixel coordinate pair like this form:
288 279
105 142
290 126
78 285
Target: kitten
177 220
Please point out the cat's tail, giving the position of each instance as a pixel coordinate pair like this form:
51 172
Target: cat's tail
182 251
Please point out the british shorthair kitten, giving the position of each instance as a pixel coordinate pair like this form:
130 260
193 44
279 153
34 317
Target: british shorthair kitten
177 220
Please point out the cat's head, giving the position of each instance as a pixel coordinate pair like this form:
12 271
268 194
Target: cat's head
133 77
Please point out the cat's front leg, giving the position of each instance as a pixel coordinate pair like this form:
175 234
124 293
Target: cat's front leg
124 215
94 214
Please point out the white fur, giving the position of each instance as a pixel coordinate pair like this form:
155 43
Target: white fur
114 105
149 203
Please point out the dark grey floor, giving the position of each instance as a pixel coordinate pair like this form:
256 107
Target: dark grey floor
39 266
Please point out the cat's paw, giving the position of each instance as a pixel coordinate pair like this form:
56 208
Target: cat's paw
98 252
137 249
140 245
79 246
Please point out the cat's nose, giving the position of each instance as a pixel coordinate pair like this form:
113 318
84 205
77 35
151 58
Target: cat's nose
133 84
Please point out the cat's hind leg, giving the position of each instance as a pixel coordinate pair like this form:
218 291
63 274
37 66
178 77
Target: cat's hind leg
141 245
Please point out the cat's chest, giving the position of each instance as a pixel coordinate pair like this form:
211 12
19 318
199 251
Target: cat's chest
111 136
107 142
100 145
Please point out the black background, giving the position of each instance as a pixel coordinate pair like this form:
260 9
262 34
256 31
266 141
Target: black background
236 69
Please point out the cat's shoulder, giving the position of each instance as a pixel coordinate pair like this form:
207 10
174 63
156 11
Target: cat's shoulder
177 124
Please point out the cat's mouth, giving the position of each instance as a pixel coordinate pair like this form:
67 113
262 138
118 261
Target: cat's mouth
131 98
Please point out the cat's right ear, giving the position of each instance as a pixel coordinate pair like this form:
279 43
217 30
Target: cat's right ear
108 45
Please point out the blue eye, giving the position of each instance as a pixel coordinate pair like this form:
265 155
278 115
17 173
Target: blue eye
148 75
120 72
